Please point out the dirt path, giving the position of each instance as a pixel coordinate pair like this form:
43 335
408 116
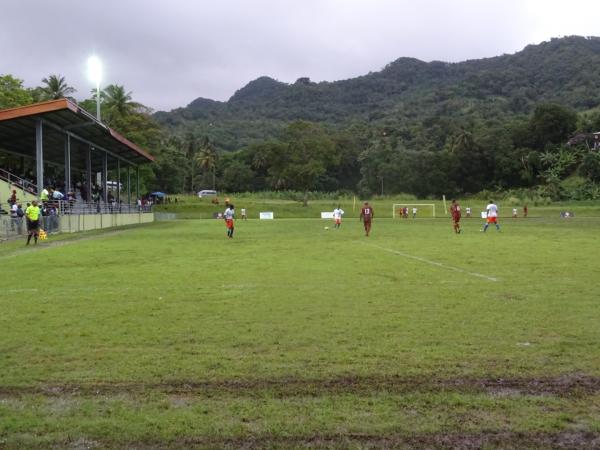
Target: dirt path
463 441
568 385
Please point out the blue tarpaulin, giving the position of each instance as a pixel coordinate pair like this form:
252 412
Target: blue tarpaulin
158 194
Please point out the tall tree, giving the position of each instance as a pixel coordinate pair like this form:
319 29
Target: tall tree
55 87
208 157
302 158
12 92
118 103
191 153
552 124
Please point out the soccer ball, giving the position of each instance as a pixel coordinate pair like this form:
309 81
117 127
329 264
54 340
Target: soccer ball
327 228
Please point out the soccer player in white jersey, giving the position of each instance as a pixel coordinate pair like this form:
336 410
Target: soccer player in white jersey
492 216
229 215
337 216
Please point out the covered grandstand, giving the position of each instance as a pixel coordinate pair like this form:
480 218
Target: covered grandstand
58 145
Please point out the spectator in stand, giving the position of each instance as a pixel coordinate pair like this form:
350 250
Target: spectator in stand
20 215
12 200
44 195
111 201
57 195
14 218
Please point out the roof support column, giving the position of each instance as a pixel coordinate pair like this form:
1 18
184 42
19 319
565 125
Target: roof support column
105 177
137 182
128 184
88 176
39 155
68 187
119 182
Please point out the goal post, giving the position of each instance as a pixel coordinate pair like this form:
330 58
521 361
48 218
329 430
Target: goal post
423 209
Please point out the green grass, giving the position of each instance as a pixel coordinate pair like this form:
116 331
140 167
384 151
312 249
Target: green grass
292 335
192 207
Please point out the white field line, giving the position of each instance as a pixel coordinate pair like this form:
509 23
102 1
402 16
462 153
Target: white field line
432 263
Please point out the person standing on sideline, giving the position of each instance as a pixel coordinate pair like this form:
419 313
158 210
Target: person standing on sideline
468 212
366 215
525 211
244 214
32 214
229 215
456 214
514 213
337 216
14 218
492 216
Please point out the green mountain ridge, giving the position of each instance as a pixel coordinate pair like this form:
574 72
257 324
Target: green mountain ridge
407 92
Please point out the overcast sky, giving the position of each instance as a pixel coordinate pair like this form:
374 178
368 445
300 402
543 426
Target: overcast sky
170 52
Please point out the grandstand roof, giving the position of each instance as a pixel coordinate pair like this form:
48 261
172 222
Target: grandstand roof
60 117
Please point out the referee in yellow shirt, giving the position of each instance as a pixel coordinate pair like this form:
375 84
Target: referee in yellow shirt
32 214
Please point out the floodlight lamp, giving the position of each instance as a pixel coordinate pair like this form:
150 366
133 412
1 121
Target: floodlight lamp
95 69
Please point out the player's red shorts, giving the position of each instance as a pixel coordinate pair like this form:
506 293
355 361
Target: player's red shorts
338 221
456 218
229 223
491 220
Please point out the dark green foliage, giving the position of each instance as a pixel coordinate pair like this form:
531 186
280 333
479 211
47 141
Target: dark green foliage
551 124
417 127
12 92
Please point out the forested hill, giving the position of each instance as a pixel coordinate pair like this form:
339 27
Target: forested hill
406 91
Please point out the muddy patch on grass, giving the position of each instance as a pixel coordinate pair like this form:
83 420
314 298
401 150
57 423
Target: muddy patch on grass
489 440
562 386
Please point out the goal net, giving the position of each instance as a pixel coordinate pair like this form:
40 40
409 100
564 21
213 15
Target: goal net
406 210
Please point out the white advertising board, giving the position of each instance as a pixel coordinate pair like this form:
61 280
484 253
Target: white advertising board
266 215
327 215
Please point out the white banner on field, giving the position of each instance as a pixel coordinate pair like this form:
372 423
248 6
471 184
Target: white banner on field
266 215
327 215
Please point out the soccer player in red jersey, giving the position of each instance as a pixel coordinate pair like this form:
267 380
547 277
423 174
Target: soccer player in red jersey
366 215
455 211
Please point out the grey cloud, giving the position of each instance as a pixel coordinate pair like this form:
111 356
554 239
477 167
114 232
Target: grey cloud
169 53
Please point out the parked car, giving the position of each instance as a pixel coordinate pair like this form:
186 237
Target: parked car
207 193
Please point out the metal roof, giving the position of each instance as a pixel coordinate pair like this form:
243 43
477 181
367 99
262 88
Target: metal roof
17 132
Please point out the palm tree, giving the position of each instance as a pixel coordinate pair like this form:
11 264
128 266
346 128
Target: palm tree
56 87
191 150
208 157
117 102
462 142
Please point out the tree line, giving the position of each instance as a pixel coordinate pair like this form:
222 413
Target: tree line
433 141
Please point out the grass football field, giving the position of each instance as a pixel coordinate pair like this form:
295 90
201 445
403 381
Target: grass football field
289 335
